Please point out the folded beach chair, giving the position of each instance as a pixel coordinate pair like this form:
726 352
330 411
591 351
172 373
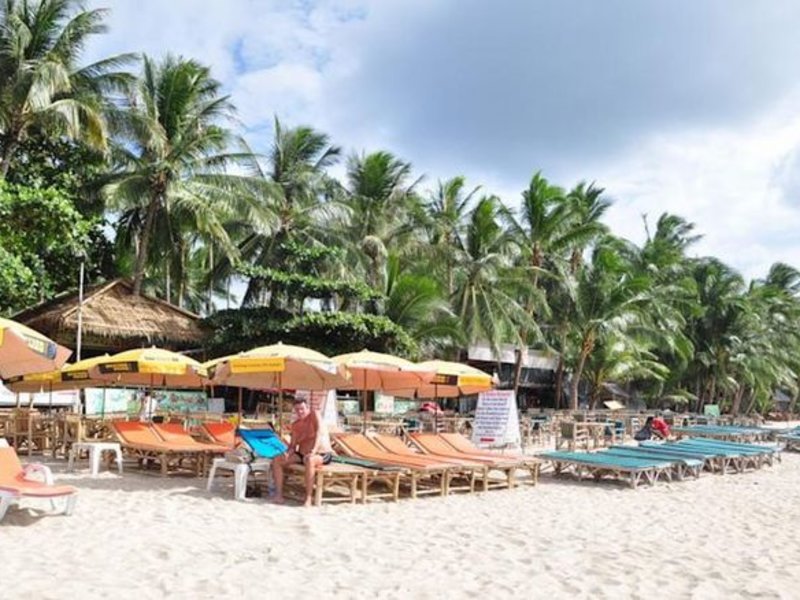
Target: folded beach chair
143 442
599 464
416 469
16 484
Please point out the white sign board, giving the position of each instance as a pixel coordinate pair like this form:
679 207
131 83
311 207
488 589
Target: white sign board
496 419
384 404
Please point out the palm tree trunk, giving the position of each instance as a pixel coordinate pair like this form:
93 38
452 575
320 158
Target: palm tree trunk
9 148
737 401
559 381
144 247
586 350
793 403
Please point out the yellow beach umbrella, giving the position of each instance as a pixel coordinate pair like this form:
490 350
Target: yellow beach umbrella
371 371
149 367
278 366
23 351
452 380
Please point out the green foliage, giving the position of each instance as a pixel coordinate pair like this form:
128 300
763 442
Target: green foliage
41 234
301 286
329 333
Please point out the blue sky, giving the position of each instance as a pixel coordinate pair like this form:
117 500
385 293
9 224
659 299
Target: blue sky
682 106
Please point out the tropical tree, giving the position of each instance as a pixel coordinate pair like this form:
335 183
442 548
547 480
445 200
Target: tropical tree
291 198
380 199
488 285
608 302
446 212
172 155
42 84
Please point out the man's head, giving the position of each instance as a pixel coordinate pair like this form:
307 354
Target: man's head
301 409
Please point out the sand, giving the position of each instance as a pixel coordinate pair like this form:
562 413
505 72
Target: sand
142 536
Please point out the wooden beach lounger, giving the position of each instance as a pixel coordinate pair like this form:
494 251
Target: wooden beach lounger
471 470
791 441
682 465
714 463
223 434
417 471
600 464
727 458
435 445
141 441
763 453
15 484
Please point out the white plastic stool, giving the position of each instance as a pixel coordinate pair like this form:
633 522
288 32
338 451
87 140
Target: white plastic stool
96 450
241 471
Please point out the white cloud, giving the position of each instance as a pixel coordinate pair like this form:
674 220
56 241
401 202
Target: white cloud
691 115
735 184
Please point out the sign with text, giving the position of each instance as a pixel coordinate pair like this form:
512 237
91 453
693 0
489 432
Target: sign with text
384 404
496 420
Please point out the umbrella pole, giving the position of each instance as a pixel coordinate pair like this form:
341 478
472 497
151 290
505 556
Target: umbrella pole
436 403
240 407
364 405
103 407
280 404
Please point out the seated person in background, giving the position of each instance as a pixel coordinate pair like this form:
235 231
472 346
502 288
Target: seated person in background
660 428
310 445
646 432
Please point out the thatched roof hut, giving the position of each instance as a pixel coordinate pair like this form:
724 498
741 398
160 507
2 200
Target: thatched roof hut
114 319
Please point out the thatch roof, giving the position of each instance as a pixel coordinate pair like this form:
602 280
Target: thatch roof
114 319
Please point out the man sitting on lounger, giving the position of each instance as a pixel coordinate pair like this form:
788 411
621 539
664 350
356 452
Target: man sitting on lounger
309 445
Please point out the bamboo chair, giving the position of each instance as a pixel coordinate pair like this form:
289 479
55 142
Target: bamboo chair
435 445
417 471
470 470
142 442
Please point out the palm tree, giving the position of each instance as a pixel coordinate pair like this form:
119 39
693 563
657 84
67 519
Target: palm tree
447 210
587 206
380 198
41 84
487 283
291 197
608 302
172 156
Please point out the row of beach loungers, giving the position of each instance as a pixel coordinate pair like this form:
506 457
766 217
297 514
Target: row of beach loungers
422 463
731 433
651 461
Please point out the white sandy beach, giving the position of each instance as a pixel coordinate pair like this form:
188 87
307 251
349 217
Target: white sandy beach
141 536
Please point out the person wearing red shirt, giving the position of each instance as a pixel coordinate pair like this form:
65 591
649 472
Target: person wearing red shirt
660 428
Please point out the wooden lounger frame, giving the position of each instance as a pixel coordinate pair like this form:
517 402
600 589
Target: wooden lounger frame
421 480
357 480
633 475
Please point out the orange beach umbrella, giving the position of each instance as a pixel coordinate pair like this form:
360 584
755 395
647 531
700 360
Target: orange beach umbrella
23 351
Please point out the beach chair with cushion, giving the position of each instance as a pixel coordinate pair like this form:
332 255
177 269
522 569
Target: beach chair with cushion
721 461
16 484
464 445
141 441
601 464
761 453
424 476
682 465
334 477
435 445
471 471
223 434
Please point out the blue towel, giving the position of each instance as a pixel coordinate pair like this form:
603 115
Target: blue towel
264 443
